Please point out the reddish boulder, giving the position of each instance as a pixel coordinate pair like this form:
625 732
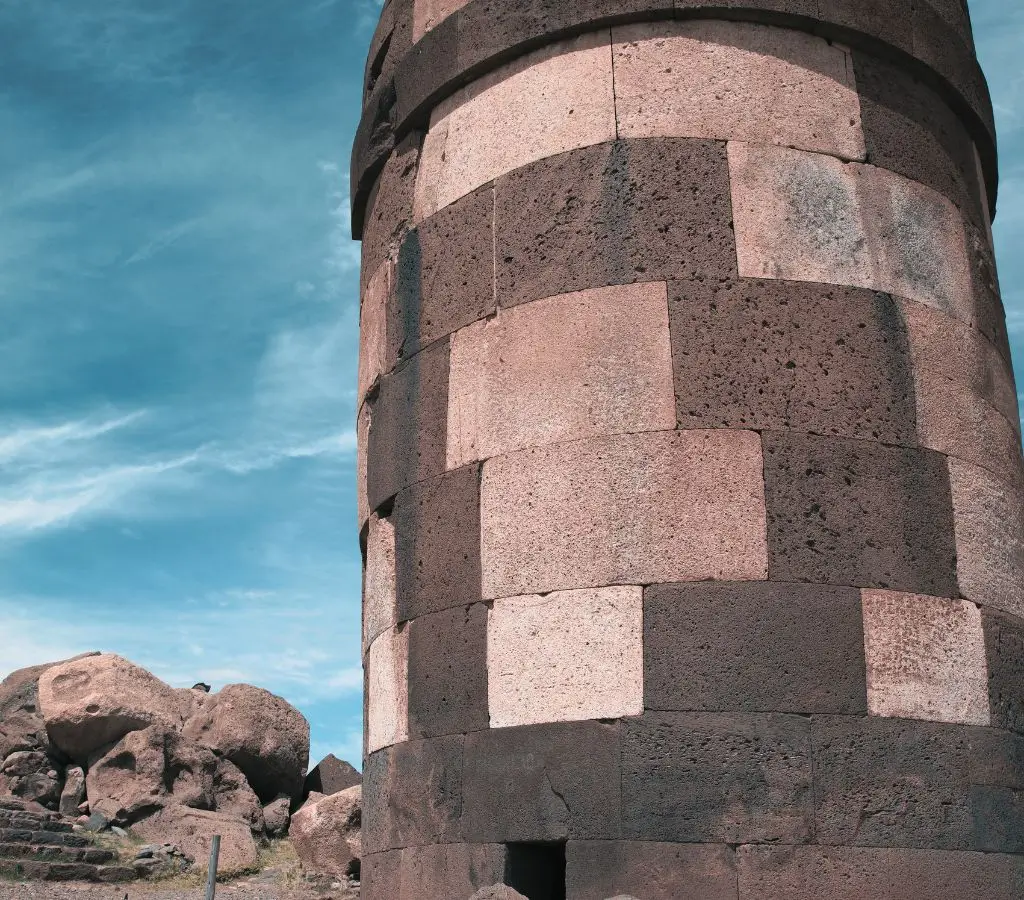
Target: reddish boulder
276 816
330 776
234 797
72 797
192 830
326 832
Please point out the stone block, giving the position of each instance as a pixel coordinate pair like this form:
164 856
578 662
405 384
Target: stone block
712 777
428 14
389 206
379 606
1004 650
513 384
565 656
925 658
753 647
715 79
373 330
555 99
450 870
380 874
362 446
387 691
817 358
632 509
989 518
597 870
651 209
437 541
542 783
858 513
905 783
448 672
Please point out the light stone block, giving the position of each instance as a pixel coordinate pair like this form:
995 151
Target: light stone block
988 517
925 658
362 447
566 656
428 14
597 362
737 81
809 217
379 595
387 698
373 329
555 99
629 509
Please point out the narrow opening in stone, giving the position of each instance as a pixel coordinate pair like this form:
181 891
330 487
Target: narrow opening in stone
537 871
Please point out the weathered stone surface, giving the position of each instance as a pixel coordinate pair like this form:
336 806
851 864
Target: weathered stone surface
387 690
441 870
750 647
325 833
233 796
715 79
427 14
276 816
191 830
73 792
731 778
565 656
373 335
379 603
92 702
262 734
632 509
1004 649
331 776
389 206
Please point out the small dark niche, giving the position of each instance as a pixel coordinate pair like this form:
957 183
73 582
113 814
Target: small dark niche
537 871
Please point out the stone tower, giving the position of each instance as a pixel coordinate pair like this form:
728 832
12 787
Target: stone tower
690 472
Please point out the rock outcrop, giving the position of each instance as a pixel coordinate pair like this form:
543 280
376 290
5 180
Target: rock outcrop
326 832
330 776
192 831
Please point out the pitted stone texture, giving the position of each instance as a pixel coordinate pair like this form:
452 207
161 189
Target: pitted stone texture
412 794
754 647
643 210
808 217
389 208
632 509
566 656
556 99
925 658
1004 646
597 870
730 778
428 14
448 672
387 719
362 446
905 783
441 870
515 382
379 607
774 354
407 425
989 518
715 79
858 513
373 329
531 783
445 275
858 873
437 544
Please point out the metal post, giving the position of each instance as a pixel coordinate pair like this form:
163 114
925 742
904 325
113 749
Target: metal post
211 878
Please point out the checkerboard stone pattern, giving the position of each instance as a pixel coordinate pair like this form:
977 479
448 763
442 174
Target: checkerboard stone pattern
690 462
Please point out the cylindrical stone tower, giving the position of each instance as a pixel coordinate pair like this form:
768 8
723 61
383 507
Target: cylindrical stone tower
690 470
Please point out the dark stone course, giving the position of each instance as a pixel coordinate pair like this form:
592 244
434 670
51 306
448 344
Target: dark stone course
858 513
754 647
448 672
381 875
437 543
548 782
904 783
444 279
391 41
597 870
990 316
955 14
845 873
438 871
717 777
408 425
891 18
817 358
1004 649
616 213
412 794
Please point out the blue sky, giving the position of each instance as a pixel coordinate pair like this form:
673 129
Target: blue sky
178 366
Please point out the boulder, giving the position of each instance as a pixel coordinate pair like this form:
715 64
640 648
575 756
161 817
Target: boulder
233 796
276 816
325 833
331 776
192 830
73 796
497 892
32 775
262 734
90 703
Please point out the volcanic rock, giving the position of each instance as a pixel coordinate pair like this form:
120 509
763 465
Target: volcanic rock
326 832
330 776
192 830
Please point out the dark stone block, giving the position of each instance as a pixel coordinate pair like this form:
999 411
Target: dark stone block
408 425
890 18
542 783
731 778
617 213
448 672
1004 648
904 783
437 544
956 15
990 316
412 794
389 207
450 870
445 275
380 876
391 41
596 870
775 354
754 647
858 513
331 776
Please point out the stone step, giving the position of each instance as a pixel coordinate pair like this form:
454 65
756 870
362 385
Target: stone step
57 854
47 838
54 871
33 821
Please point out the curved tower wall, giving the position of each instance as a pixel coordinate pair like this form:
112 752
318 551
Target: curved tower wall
690 468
